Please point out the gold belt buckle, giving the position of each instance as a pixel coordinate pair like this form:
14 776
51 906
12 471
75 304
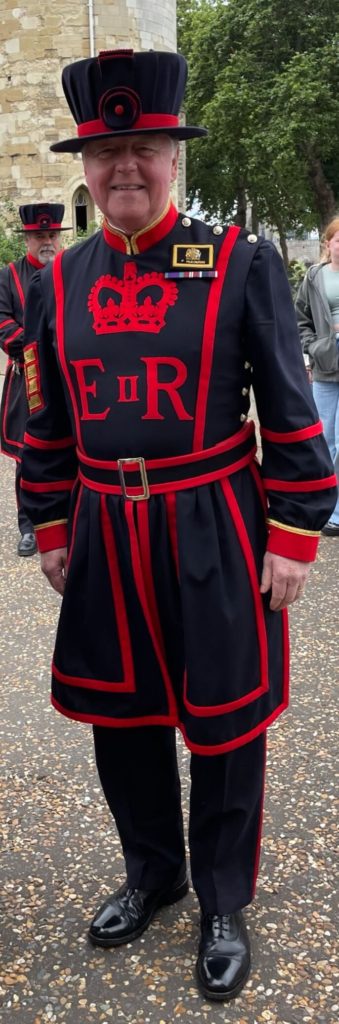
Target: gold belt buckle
139 461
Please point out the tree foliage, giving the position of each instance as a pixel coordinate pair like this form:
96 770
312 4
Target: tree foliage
264 78
12 244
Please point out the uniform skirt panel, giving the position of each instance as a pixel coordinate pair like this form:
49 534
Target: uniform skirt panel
14 412
162 620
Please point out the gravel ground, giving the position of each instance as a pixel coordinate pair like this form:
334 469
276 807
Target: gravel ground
61 854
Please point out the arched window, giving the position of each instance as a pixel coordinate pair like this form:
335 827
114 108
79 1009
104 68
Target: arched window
83 210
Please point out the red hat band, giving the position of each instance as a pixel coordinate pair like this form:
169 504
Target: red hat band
160 121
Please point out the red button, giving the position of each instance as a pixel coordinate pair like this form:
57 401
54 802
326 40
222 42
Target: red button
119 109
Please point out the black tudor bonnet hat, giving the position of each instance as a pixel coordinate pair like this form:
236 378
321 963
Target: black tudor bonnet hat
41 217
125 93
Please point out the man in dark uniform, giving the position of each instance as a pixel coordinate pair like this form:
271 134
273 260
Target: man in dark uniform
142 347
41 226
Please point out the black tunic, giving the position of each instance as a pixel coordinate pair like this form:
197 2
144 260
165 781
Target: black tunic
162 620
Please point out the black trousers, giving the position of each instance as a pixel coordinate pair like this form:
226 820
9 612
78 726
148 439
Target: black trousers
24 523
139 774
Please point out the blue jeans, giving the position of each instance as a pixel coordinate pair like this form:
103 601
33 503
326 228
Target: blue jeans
326 397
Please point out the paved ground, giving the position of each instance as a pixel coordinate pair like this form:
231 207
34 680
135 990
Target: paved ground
61 854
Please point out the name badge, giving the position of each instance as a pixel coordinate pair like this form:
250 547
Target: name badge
192 257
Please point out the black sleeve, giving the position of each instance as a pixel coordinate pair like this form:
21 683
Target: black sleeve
297 471
11 330
49 464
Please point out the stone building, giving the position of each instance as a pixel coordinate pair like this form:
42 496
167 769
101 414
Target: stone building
36 42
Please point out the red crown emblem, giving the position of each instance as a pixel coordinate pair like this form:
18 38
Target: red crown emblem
137 303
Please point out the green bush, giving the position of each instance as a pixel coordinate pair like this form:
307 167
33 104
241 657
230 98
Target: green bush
12 245
296 273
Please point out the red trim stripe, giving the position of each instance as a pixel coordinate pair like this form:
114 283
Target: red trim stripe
222 748
219 709
60 338
196 748
54 485
5 323
116 723
19 330
142 563
293 435
207 349
254 469
43 228
74 526
209 750
85 683
300 485
99 127
118 599
17 283
10 455
128 683
36 442
260 823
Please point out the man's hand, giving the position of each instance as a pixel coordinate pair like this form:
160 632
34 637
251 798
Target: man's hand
54 566
286 577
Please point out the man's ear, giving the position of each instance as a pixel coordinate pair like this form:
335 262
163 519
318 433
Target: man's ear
175 160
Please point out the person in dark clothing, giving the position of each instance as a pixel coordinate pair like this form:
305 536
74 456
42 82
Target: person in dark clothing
175 551
41 226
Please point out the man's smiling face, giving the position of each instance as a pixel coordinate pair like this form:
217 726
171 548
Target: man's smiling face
130 177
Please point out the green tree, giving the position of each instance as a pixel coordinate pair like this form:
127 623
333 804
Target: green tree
12 244
264 78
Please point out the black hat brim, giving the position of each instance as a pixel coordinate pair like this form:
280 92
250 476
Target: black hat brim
34 231
181 133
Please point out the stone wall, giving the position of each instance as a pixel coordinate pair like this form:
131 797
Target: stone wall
36 42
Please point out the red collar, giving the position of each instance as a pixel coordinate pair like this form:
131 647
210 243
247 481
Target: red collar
35 263
144 239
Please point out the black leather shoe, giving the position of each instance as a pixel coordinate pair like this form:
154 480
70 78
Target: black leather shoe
127 913
331 530
27 545
224 959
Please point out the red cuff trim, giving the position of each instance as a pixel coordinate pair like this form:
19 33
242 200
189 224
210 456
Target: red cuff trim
293 435
300 546
49 538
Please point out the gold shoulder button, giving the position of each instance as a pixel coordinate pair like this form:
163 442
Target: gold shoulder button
186 222
217 230
252 238
243 417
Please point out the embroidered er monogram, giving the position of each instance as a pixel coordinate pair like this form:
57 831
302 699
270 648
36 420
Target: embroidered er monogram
132 303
